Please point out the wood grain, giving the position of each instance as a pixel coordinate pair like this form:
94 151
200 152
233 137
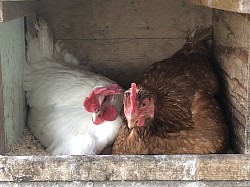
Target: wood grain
129 184
2 131
10 10
121 38
81 19
126 168
12 62
122 59
231 48
240 6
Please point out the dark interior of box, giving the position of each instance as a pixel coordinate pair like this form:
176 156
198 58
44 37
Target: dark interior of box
120 39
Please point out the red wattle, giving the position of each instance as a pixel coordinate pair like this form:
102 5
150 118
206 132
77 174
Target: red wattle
141 122
110 114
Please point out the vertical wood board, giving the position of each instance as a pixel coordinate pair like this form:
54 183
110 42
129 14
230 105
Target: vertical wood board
232 46
2 132
12 61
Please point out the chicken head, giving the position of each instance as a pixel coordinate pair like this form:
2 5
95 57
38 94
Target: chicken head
99 102
138 106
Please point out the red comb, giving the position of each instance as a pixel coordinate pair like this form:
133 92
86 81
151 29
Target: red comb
133 97
90 101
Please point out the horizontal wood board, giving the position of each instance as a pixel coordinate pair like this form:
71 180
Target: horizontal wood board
10 10
125 168
129 184
121 38
239 6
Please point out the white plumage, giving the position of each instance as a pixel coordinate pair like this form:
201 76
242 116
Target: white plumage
56 89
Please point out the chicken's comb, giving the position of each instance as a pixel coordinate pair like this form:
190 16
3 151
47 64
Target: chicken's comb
133 96
90 102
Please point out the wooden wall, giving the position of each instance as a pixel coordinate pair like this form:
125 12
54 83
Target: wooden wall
12 50
120 38
232 46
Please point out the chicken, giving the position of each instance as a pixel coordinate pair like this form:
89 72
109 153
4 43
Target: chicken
71 111
171 107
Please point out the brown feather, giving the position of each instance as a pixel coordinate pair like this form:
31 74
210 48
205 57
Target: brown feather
187 118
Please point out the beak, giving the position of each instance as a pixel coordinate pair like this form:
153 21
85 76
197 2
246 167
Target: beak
132 123
137 122
95 115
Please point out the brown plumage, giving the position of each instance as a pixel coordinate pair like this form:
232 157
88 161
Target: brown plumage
171 109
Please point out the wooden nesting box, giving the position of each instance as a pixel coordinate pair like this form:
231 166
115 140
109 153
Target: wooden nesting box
12 57
119 39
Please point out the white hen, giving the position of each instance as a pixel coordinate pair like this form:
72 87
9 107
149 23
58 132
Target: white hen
72 111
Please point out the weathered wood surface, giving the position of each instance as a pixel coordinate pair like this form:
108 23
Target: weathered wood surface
129 184
12 52
10 10
240 6
110 57
126 168
231 48
2 132
120 38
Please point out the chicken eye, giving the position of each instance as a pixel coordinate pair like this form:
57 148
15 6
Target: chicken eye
105 99
145 103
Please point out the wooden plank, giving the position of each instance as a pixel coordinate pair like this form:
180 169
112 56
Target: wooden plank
2 132
12 61
121 58
231 48
125 168
121 38
240 6
10 10
18 0
82 19
129 184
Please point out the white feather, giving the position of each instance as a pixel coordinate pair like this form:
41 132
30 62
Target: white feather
55 89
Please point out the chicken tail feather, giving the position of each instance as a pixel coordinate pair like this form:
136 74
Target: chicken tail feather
62 53
200 34
42 45
198 42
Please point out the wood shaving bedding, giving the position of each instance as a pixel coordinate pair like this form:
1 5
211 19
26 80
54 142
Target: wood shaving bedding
27 145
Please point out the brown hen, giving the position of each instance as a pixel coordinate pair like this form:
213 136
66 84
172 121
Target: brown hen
171 108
